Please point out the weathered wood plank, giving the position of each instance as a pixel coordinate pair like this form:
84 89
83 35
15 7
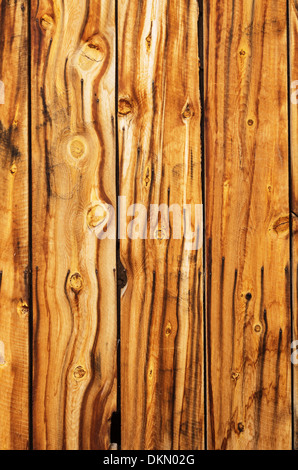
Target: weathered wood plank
160 163
293 35
248 293
14 260
74 282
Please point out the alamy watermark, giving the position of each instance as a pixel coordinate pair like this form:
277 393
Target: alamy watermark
156 222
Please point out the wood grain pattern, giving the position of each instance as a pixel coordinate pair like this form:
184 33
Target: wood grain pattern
14 311
293 44
248 293
74 280
160 163
75 146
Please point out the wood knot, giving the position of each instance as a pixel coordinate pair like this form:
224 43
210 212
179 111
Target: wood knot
250 122
46 22
79 373
235 376
148 42
76 283
241 427
187 112
22 308
77 148
96 215
147 177
96 52
168 329
242 52
13 169
124 107
92 53
160 234
258 328
281 225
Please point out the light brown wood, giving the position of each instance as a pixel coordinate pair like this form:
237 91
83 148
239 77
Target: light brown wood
162 361
248 293
157 152
74 280
14 206
293 44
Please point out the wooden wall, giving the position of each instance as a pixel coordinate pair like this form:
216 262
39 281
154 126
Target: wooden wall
111 342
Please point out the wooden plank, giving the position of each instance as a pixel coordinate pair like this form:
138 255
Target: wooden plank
293 36
74 281
14 305
160 163
248 293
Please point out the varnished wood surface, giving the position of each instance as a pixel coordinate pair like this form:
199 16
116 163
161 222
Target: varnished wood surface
160 163
247 203
74 280
14 209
